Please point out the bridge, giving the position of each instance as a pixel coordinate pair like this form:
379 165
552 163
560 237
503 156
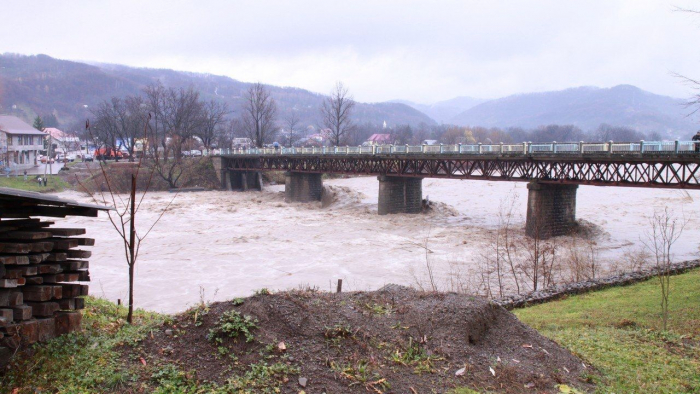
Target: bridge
554 171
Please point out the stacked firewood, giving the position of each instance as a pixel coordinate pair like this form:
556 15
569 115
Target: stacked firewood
42 275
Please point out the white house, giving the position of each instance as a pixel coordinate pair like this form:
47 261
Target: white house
20 143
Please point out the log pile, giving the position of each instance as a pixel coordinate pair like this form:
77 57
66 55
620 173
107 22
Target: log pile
43 271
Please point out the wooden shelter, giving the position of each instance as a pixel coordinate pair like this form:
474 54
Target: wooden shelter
43 269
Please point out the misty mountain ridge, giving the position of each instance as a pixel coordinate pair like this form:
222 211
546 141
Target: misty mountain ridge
586 107
444 111
40 85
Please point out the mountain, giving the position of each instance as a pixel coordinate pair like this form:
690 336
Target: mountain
31 85
444 111
587 108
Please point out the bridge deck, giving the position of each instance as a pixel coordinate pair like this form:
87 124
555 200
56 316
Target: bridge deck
649 169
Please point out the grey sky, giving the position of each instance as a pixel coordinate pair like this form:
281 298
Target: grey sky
423 51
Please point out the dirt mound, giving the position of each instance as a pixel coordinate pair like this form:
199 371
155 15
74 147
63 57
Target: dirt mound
395 340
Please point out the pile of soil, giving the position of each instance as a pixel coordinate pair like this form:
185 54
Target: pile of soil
395 340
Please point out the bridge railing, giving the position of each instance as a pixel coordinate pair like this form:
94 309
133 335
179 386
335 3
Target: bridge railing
527 148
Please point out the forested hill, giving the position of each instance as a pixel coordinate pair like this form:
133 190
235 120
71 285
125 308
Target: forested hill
587 108
31 85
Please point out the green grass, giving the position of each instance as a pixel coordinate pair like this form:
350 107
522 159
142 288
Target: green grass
83 362
619 332
54 184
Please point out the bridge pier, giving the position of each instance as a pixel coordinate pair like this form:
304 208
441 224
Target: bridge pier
243 180
302 187
551 209
399 195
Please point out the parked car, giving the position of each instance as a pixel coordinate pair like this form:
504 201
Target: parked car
87 157
70 157
46 160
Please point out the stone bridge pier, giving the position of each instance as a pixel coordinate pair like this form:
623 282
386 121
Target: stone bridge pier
400 195
240 180
551 209
302 187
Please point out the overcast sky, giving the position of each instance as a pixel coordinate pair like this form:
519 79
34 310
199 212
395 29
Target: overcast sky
423 51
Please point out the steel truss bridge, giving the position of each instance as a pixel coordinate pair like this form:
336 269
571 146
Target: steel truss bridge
671 164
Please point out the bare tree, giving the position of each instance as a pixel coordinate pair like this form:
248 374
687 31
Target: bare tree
336 112
292 122
213 122
259 114
664 231
124 216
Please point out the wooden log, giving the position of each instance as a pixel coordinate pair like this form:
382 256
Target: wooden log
79 254
14 259
34 280
22 312
11 341
67 304
53 257
84 276
4 322
28 331
71 290
75 265
3 270
21 281
57 292
67 322
39 247
26 235
8 283
16 298
37 293
13 273
84 241
49 268
71 277
7 314
28 270
64 243
5 297
66 232
46 329
37 258
43 309
79 303
6 247
84 289
53 278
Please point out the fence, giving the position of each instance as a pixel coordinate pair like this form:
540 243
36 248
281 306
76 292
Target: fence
525 148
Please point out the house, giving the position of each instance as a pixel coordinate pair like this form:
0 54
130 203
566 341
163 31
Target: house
379 139
242 143
21 143
62 141
429 142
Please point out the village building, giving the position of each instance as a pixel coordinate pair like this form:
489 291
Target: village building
379 139
62 141
21 143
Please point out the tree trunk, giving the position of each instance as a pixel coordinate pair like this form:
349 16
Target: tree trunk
132 245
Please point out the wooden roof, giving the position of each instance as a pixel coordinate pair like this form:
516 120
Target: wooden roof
16 203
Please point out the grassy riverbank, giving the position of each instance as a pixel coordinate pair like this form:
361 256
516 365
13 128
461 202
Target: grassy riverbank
615 331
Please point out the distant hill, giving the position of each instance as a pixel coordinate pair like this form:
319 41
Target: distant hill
587 108
31 85
444 111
